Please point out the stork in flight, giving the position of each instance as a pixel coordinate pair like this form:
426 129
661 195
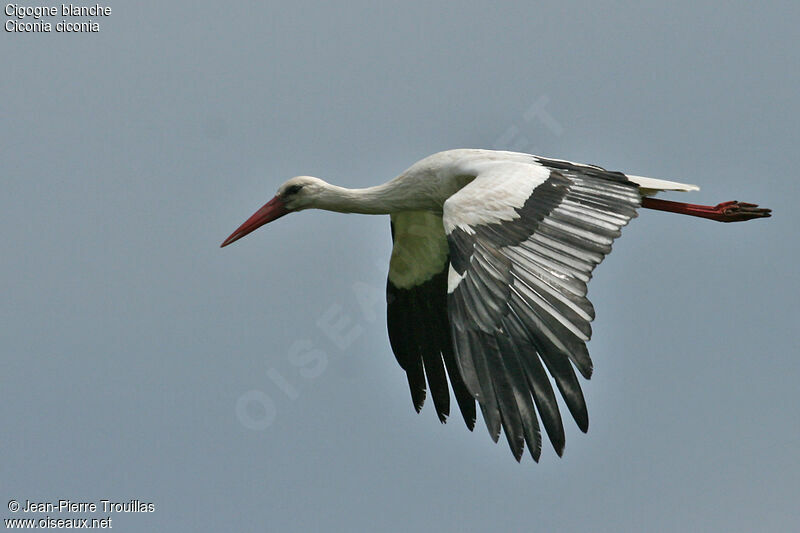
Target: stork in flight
487 279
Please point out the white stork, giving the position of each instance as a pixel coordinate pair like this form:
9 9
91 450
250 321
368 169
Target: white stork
487 279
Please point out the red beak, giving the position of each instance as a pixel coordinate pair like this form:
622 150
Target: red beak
272 210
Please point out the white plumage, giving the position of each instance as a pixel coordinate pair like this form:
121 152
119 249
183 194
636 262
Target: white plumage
487 281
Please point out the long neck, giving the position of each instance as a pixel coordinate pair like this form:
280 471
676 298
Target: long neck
391 197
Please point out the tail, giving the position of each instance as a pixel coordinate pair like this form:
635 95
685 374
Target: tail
651 186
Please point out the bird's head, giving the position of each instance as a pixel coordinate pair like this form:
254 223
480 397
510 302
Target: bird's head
296 194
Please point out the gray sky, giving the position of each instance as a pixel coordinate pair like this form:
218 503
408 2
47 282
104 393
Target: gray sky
129 338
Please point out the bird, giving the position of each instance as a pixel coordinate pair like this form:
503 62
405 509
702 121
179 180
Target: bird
487 284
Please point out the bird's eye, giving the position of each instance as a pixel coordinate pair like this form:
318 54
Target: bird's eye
292 189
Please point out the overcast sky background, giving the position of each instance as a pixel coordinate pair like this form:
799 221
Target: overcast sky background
140 361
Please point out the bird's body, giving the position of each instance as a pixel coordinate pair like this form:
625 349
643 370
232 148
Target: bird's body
487 280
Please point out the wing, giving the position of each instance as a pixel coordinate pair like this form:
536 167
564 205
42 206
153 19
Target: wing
524 238
416 295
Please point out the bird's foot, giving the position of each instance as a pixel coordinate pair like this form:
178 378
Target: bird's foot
734 211
725 212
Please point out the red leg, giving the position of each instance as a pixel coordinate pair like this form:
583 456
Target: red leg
724 212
